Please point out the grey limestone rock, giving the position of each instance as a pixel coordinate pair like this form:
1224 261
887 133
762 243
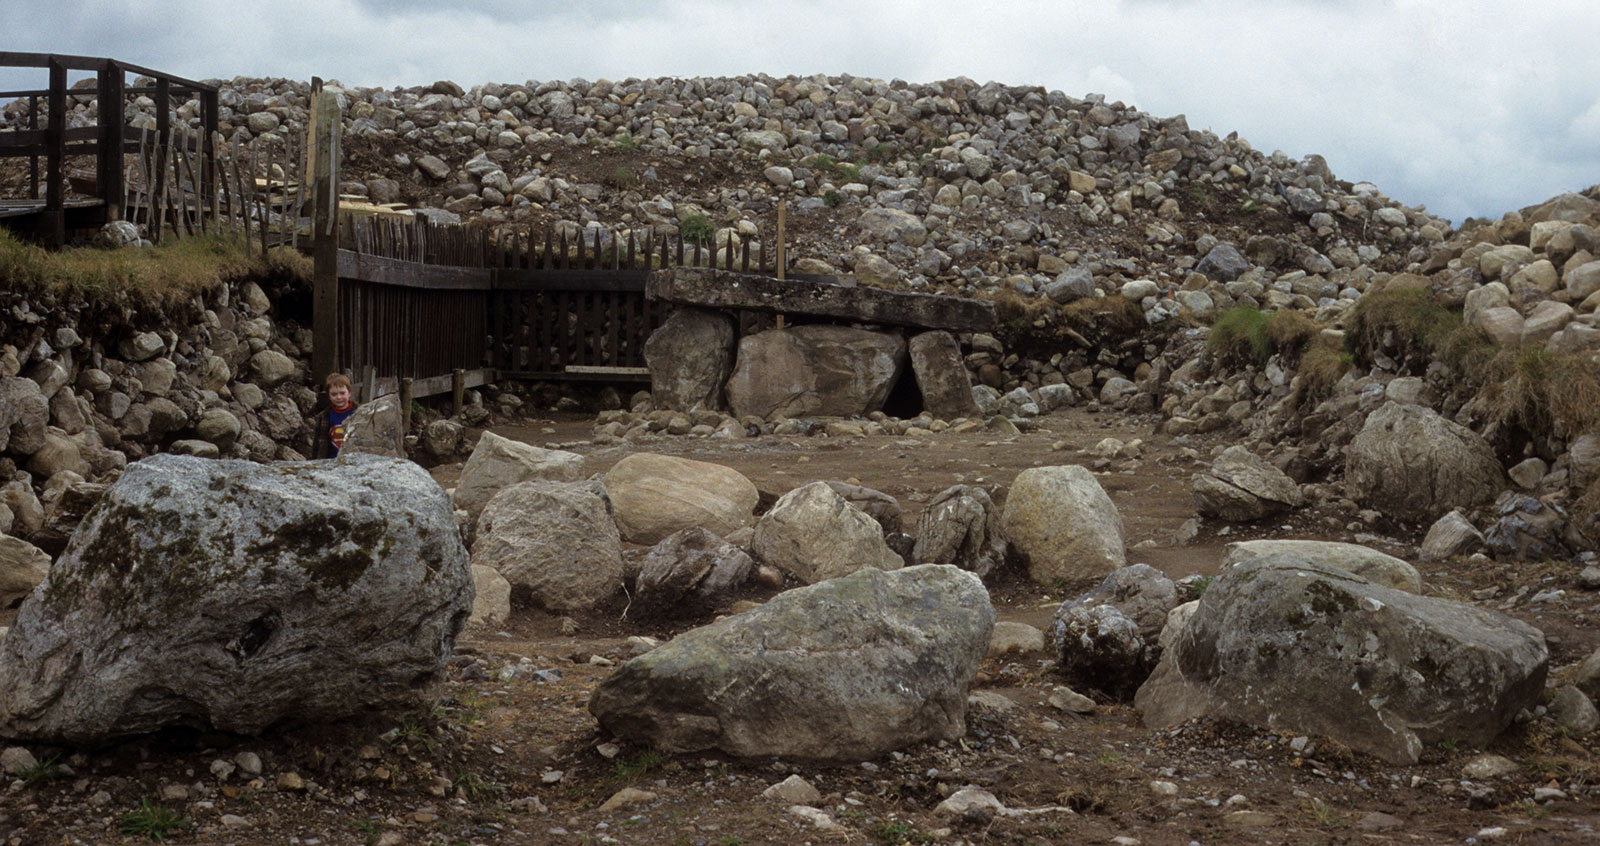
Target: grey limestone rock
1412 464
235 596
848 669
1297 646
961 526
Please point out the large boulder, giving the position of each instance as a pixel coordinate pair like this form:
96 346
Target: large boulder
1412 464
814 370
377 428
942 376
1302 647
556 540
848 669
813 533
24 413
497 463
656 495
961 526
1363 561
236 596
689 572
1241 487
22 568
1062 524
690 357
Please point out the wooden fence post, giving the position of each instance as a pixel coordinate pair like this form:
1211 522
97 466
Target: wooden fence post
322 165
405 403
458 391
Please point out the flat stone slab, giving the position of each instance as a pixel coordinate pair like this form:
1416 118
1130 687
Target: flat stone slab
726 289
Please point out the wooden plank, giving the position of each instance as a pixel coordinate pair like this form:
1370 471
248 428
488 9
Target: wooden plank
321 169
728 290
628 375
410 274
514 279
597 370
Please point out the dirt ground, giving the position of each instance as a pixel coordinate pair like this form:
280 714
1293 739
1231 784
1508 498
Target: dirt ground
511 754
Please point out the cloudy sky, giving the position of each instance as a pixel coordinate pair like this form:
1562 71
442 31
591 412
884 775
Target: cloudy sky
1472 108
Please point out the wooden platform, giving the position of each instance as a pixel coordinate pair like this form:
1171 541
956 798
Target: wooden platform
26 208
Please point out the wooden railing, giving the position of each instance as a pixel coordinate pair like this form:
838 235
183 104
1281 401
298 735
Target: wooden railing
109 140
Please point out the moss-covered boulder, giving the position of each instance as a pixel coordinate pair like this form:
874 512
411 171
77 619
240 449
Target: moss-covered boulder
846 669
238 596
1303 647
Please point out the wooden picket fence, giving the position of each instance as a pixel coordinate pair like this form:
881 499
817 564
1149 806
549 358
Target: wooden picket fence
417 299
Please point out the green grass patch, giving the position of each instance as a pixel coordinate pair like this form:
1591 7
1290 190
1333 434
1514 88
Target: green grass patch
161 275
152 820
1239 335
1416 324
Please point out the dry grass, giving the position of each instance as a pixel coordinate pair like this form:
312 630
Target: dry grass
148 276
1414 321
1321 367
1115 316
1541 392
1291 332
1586 512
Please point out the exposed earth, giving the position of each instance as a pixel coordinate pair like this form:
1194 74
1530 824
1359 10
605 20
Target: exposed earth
511 755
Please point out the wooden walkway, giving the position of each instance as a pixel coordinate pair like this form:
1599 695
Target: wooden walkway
48 212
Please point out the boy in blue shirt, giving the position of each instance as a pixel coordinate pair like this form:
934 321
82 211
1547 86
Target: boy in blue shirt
329 428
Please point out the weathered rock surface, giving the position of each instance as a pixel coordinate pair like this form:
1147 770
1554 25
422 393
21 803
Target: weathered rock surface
690 358
1099 647
1297 646
1449 536
376 428
961 526
491 602
1368 563
814 534
814 370
1412 464
556 540
22 568
1241 487
875 503
497 463
1062 524
690 571
237 596
848 669
942 376
657 495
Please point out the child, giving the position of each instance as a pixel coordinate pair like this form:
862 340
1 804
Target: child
329 431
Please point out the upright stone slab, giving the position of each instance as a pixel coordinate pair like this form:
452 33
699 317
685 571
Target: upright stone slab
690 357
942 376
814 370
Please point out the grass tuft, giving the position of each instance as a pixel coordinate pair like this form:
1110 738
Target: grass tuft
152 820
163 275
1239 335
